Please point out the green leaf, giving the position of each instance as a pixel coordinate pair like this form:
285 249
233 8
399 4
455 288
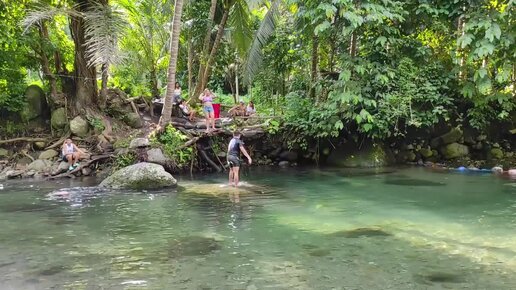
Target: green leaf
339 125
381 40
367 127
345 75
493 32
465 40
322 27
469 90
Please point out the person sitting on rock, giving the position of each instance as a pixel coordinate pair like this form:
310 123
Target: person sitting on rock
250 110
71 153
187 111
238 110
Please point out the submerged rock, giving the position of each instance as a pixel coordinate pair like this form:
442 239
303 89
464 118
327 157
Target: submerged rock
362 232
219 189
192 246
140 176
439 277
370 155
412 182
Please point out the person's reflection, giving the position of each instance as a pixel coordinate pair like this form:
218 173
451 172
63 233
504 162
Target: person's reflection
234 196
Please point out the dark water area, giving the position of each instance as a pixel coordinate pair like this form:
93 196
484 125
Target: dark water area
405 228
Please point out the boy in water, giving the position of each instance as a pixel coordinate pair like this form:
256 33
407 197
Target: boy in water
233 156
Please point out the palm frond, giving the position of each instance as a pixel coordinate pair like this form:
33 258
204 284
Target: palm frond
240 23
264 32
45 12
104 24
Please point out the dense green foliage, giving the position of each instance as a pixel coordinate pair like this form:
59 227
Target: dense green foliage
171 140
377 67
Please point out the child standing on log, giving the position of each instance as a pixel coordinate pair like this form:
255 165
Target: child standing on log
233 157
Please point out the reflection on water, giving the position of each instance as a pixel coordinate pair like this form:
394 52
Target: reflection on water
299 229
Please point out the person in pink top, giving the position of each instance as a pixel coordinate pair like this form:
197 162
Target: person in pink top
207 106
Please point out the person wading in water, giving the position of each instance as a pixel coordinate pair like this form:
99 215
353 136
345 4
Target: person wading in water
233 157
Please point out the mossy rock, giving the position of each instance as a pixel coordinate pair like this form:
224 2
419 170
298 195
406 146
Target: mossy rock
219 189
372 155
451 137
37 106
454 150
79 126
59 119
140 176
133 120
496 153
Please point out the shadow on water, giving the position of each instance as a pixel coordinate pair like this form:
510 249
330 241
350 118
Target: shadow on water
403 180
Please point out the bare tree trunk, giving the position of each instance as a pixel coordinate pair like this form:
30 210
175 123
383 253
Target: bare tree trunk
190 67
237 97
103 86
461 31
353 45
154 82
315 60
214 49
45 64
174 51
85 77
205 49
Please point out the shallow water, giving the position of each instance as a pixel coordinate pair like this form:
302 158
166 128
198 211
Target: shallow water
293 229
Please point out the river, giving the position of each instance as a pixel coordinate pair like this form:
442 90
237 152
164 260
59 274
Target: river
406 228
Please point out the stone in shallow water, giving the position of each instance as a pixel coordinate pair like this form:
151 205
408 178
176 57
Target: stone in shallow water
319 252
439 277
192 246
26 208
52 270
412 182
362 232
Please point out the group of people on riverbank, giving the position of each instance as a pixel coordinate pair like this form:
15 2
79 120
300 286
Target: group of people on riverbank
207 99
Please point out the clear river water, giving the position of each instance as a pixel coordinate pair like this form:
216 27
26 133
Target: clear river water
405 228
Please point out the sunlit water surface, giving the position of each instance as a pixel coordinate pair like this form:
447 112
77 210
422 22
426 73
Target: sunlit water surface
294 229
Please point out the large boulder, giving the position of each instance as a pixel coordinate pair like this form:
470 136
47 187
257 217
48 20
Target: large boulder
288 156
36 103
79 127
451 137
139 143
140 176
496 153
133 120
155 155
40 165
454 150
59 119
4 153
48 154
370 155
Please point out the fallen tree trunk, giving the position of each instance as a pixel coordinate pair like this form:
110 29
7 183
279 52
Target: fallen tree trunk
23 139
88 163
208 159
60 141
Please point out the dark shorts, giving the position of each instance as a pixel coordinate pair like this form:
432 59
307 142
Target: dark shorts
233 161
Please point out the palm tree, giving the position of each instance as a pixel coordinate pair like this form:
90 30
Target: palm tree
174 47
104 26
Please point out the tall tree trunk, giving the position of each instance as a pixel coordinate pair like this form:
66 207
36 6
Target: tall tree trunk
154 82
460 32
190 66
205 49
353 45
213 52
315 60
174 49
103 86
85 77
45 64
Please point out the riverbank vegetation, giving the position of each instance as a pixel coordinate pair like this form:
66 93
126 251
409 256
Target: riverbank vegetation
321 73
